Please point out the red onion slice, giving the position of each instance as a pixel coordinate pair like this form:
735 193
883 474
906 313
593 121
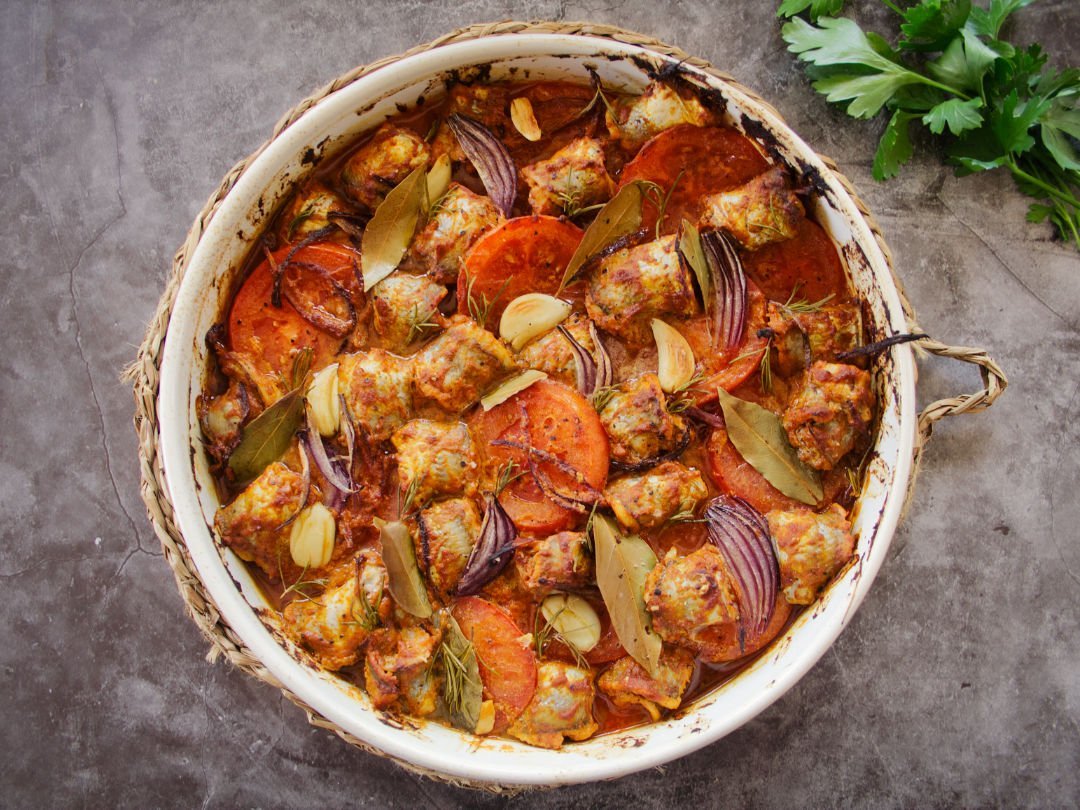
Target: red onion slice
493 550
742 535
312 298
593 370
490 159
332 471
729 304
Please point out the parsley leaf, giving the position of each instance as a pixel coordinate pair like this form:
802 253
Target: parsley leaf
996 105
963 62
931 24
818 8
894 148
1061 121
988 23
956 114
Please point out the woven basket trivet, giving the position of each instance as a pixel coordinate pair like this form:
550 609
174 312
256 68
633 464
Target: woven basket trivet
146 369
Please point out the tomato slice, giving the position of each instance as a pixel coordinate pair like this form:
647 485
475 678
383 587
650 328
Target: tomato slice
704 159
807 264
507 662
271 335
560 422
728 369
524 254
734 475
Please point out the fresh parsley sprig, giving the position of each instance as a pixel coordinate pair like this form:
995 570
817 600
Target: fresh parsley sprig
950 70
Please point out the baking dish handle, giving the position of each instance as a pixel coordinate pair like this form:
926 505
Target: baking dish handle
994 384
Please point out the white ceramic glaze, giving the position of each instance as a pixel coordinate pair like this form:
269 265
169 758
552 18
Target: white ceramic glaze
334 121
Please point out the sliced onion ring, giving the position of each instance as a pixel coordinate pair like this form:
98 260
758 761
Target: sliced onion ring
490 159
593 370
742 535
729 301
331 471
493 550
314 311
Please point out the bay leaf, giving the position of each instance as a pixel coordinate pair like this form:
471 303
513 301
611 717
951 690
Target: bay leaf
622 564
463 691
619 217
691 250
402 572
266 437
438 180
759 436
388 234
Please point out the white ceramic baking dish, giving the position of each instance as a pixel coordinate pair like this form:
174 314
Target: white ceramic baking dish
335 120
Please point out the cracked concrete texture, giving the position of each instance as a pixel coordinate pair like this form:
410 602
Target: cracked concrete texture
955 684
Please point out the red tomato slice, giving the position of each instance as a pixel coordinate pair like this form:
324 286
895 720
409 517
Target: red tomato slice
271 335
710 159
809 260
560 422
728 369
734 475
507 662
525 254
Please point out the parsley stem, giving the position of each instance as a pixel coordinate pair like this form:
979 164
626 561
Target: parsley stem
1057 193
940 86
894 7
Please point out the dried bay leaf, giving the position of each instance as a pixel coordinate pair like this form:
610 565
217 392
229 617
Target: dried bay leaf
267 437
388 234
463 691
402 572
690 248
621 216
759 436
438 180
622 564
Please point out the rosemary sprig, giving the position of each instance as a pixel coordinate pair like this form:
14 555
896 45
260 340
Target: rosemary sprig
407 497
801 306
544 632
368 615
765 367
419 323
685 516
456 669
480 306
300 584
602 396
681 398
660 198
305 214
508 473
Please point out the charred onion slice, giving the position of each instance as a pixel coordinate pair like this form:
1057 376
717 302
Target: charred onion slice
493 550
729 301
715 420
742 535
593 370
544 482
490 159
330 469
320 300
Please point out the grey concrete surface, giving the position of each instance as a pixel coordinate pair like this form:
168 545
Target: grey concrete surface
958 682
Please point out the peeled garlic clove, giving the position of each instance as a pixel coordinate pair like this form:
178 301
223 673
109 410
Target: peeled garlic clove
573 619
530 315
511 387
521 113
311 539
438 179
676 358
323 401
485 724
